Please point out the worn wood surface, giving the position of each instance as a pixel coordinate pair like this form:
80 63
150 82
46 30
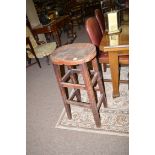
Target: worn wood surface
73 54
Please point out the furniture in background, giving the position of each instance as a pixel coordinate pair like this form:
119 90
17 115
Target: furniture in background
76 11
106 5
120 4
112 55
40 48
53 29
30 49
123 7
76 57
77 15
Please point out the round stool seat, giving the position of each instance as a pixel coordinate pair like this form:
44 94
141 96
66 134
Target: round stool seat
73 54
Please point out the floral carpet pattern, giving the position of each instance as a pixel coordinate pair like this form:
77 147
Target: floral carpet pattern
114 118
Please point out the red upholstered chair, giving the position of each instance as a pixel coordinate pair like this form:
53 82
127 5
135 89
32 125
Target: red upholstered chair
100 18
95 35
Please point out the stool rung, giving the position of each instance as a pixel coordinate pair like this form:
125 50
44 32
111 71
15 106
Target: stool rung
97 88
92 72
100 101
75 70
73 93
81 104
78 71
70 85
66 76
94 78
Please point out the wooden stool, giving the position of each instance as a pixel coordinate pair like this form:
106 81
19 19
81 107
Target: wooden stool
75 57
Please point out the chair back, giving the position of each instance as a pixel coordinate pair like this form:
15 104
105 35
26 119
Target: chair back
31 37
94 31
100 18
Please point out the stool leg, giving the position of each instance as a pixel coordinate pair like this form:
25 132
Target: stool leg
99 81
62 90
62 71
91 95
74 79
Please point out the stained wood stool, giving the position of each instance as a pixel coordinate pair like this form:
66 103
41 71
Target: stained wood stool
76 57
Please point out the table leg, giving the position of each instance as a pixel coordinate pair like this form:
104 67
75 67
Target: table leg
114 67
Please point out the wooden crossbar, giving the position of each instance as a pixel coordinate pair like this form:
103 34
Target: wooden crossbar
70 85
94 79
66 76
75 70
100 101
81 104
73 93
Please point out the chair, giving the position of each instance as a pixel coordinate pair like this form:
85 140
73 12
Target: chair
76 12
32 51
100 18
40 48
77 16
95 35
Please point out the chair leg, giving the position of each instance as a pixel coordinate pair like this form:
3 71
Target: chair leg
38 62
104 67
28 59
47 59
32 51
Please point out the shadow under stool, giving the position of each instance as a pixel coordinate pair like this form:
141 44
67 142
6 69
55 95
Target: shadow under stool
75 58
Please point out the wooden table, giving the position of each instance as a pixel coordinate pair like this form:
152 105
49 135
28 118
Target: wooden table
114 52
54 27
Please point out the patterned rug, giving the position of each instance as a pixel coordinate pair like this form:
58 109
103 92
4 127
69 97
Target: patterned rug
114 118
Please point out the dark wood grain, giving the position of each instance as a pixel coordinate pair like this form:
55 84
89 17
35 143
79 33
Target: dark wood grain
73 54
